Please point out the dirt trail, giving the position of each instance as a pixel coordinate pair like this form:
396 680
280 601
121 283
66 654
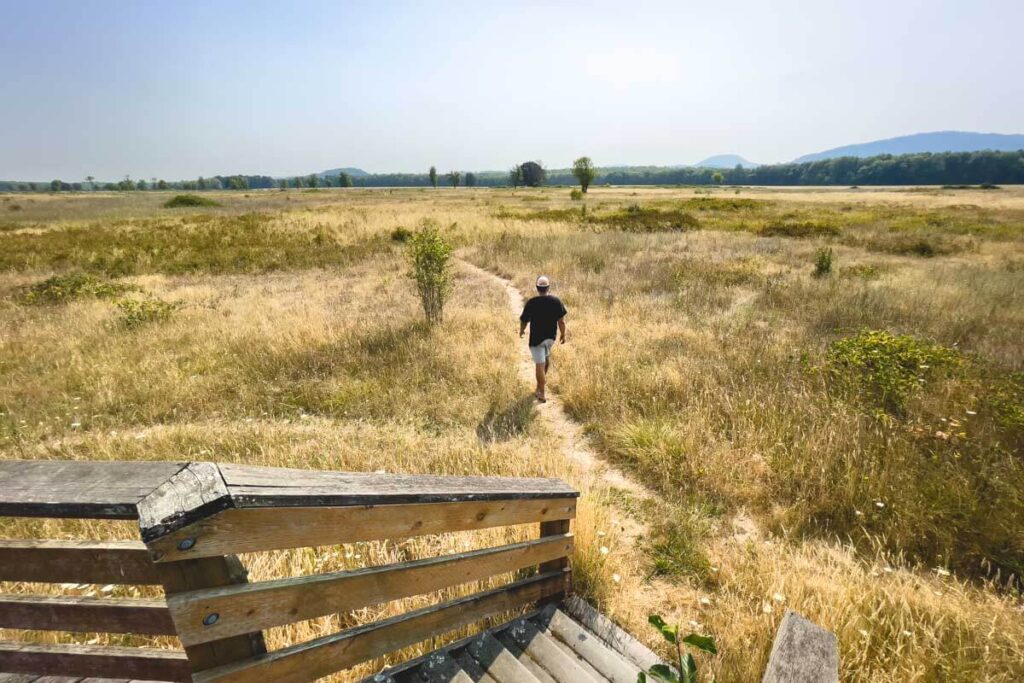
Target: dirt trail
575 445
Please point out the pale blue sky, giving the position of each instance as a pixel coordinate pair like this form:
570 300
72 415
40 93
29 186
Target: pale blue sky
180 89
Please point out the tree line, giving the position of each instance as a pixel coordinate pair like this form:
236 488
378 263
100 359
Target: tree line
947 168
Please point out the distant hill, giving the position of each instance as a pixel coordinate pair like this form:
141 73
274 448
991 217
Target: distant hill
726 161
354 172
941 141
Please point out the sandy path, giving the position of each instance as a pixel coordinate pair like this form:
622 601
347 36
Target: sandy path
575 445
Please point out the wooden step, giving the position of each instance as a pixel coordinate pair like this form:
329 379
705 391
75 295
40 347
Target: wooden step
545 651
497 661
539 672
470 666
607 662
441 668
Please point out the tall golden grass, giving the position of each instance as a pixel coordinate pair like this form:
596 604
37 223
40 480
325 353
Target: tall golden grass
691 361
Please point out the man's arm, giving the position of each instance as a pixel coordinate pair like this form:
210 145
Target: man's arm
561 328
522 327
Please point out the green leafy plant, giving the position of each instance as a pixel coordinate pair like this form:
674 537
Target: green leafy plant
137 312
685 669
823 262
64 288
401 234
188 200
888 368
575 195
430 258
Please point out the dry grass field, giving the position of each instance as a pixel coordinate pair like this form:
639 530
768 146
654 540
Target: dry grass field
849 444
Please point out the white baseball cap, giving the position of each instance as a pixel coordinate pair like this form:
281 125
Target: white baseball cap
543 282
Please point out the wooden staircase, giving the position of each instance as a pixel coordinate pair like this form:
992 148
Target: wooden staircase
196 517
566 643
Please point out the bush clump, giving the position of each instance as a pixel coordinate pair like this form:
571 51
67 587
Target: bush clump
636 218
798 229
188 200
576 195
137 312
61 289
889 368
401 234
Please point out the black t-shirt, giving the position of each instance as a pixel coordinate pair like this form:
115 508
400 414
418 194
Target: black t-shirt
543 313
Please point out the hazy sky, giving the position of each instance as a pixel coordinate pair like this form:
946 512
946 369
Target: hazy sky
180 89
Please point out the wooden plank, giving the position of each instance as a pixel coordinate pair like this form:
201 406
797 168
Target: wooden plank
257 606
254 529
78 489
92 660
85 614
195 492
324 656
273 486
610 633
120 562
543 650
211 572
607 662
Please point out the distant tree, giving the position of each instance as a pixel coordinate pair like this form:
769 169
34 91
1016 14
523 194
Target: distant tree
717 178
453 178
162 185
201 183
297 182
55 185
471 180
33 187
583 169
110 187
283 183
238 182
515 176
313 180
344 180
77 187
141 185
152 183
92 182
534 174
433 176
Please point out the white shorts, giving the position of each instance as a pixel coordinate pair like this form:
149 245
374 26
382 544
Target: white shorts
541 353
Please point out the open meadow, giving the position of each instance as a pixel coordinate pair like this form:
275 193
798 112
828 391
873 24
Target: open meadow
822 390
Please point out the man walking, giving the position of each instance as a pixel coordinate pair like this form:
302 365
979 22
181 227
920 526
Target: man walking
544 314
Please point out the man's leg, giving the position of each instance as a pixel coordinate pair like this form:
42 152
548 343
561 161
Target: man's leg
540 379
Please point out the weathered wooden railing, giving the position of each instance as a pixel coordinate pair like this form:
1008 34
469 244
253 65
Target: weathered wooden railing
195 517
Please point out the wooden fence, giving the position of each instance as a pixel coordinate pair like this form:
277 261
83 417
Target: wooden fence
194 518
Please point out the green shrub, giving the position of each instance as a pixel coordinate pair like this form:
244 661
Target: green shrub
189 200
723 204
798 229
576 195
136 312
823 262
889 368
866 271
675 547
430 258
64 288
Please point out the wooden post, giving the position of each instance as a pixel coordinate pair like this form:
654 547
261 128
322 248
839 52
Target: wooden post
198 490
556 527
211 572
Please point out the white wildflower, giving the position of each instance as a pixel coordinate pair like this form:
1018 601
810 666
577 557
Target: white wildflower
604 550
767 608
616 578
779 597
